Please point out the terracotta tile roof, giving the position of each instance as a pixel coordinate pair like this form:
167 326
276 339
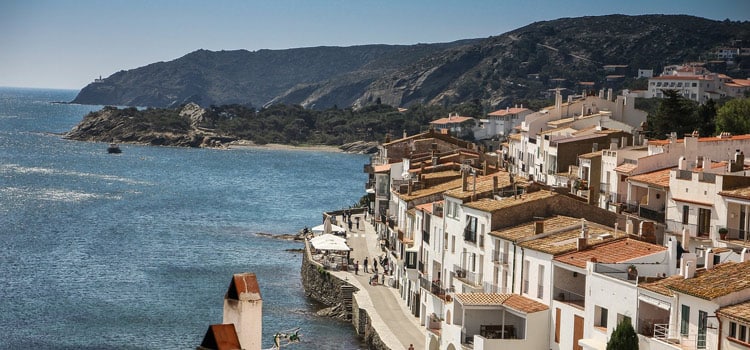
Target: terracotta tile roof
451 120
381 168
723 279
484 185
738 312
435 189
427 207
657 178
527 230
566 241
492 205
679 77
591 155
244 286
704 139
507 111
516 137
661 286
221 337
619 251
513 301
740 192
626 168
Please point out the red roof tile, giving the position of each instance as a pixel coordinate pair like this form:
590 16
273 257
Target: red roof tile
244 286
619 251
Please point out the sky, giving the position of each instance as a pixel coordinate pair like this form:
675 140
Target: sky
67 44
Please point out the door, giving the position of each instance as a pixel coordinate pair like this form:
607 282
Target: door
704 221
577 332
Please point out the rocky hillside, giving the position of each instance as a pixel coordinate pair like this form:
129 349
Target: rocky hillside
498 71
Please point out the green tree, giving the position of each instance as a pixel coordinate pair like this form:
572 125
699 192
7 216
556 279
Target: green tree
734 117
706 115
623 337
674 114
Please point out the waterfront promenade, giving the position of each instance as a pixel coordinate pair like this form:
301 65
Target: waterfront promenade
388 313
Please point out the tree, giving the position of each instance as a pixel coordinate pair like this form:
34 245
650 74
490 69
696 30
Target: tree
674 114
734 117
707 118
624 337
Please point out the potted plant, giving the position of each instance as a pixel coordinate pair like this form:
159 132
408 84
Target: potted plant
723 233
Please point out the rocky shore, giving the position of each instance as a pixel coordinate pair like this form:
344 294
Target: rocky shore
182 129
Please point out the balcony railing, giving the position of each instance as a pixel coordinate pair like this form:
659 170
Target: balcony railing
565 295
735 234
493 288
434 288
651 214
473 278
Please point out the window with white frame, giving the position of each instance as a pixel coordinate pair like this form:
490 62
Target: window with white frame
600 316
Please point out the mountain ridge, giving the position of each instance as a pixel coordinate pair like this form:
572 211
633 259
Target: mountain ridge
497 71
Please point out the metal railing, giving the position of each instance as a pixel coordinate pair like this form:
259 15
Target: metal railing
473 278
561 294
651 214
737 234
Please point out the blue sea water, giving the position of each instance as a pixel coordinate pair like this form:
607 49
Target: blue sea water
136 250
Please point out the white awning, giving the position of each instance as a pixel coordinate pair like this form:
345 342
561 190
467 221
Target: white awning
321 228
329 242
655 302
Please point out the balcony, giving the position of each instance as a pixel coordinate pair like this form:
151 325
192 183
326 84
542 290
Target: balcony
468 277
494 288
669 335
434 288
569 297
651 214
737 236
425 236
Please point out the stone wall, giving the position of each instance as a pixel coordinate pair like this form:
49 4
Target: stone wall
325 287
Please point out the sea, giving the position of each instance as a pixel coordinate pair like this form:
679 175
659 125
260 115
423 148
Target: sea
136 250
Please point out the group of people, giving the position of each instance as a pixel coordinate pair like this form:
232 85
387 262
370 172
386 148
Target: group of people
347 216
366 264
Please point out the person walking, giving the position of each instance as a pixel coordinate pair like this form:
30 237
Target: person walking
357 220
356 267
411 346
365 266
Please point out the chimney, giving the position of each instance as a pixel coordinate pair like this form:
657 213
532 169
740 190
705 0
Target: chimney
387 138
687 265
539 227
623 141
738 164
682 163
494 185
706 163
484 167
409 188
601 93
558 100
582 242
404 133
744 255
609 94
243 306
464 184
709 263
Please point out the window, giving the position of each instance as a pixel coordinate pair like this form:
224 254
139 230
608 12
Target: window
685 320
540 282
470 231
742 334
685 214
453 244
732 330
526 265
600 317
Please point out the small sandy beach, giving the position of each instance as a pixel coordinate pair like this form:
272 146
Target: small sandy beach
275 146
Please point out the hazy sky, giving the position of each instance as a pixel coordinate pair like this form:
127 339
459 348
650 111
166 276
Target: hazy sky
66 44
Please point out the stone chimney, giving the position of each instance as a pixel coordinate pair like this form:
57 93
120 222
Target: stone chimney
243 306
405 133
738 163
609 94
744 255
682 163
706 163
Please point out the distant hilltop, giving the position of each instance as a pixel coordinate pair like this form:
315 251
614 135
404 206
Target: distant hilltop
497 71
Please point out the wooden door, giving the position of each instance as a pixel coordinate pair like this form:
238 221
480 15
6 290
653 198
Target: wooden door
577 332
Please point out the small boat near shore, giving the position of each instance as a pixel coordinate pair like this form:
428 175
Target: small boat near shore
114 148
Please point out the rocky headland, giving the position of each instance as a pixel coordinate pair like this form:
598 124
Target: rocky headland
188 126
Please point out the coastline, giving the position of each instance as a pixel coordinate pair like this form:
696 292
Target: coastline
240 144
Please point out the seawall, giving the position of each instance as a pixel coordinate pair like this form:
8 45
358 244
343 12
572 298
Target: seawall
340 295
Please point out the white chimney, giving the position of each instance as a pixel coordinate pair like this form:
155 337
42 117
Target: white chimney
709 262
706 163
609 94
243 306
744 255
682 163
687 265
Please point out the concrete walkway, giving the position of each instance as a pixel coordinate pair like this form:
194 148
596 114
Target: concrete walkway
394 323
